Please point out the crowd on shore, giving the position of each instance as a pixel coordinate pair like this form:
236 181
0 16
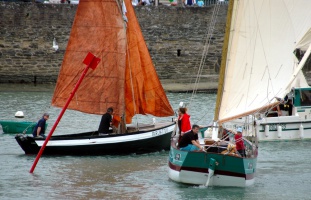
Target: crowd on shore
199 3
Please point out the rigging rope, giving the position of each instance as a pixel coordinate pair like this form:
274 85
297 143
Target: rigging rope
209 35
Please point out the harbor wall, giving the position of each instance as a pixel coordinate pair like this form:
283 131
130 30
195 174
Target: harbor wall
175 37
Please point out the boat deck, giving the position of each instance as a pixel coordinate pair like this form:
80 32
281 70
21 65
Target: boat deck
147 127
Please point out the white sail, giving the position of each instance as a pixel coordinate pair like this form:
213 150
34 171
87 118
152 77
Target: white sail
260 59
305 41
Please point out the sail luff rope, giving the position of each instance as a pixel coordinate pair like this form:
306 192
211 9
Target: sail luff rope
131 77
132 87
127 50
226 51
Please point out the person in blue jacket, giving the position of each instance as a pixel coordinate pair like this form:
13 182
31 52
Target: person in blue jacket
39 129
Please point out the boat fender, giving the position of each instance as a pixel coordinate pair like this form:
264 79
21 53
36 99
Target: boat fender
279 131
301 131
266 130
19 114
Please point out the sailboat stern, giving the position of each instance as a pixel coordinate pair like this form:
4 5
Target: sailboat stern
195 168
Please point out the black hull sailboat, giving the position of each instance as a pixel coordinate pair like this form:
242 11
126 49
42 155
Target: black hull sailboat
148 139
124 79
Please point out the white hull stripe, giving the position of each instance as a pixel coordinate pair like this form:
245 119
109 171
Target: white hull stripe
108 140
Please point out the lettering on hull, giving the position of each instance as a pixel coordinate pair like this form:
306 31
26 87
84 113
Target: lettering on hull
159 132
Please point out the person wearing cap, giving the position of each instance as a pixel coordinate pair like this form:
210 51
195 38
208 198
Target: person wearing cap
39 129
239 142
105 122
190 140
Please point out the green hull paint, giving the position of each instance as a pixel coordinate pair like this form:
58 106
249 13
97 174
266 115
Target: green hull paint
18 127
199 161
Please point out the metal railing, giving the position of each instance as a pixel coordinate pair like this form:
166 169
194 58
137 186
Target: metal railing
211 2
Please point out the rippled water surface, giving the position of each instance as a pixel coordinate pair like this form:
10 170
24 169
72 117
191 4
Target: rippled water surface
283 168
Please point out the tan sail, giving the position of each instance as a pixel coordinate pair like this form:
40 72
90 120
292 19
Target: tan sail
99 27
260 62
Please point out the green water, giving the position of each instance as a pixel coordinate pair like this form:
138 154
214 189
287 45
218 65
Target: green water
283 168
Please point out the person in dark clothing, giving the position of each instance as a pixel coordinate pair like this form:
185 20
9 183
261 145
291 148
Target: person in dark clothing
39 129
189 141
105 122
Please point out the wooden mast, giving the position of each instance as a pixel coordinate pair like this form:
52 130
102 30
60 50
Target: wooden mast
223 60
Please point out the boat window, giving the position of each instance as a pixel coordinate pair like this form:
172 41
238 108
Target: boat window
305 98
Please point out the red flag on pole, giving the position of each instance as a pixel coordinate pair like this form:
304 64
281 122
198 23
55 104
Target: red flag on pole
91 62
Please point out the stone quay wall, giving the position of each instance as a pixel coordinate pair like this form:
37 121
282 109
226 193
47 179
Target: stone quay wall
175 37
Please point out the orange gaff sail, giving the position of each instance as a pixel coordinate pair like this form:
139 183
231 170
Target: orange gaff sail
125 79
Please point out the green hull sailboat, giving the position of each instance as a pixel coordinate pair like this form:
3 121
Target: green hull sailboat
18 127
219 164
212 168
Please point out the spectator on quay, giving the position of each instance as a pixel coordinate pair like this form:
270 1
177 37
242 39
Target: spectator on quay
144 3
200 3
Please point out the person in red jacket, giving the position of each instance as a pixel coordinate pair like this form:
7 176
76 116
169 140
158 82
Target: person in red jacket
239 142
184 123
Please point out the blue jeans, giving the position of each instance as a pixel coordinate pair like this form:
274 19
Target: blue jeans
190 147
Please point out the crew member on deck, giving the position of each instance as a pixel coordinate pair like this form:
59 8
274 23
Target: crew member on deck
39 130
184 124
106 122
239 142
189 141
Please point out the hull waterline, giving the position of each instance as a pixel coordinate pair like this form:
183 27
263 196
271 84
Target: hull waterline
194 168
90 143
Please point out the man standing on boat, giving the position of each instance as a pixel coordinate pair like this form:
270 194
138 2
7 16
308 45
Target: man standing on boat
39 129
190 140
105 122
